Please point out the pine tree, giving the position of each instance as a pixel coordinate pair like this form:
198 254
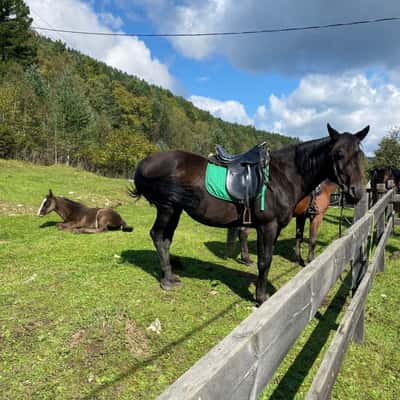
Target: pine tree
16 38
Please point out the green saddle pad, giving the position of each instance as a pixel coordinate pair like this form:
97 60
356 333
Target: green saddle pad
216 182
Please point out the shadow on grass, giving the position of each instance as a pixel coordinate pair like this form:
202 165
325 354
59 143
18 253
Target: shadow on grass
238 281
139 365
298 371
283 248
48 224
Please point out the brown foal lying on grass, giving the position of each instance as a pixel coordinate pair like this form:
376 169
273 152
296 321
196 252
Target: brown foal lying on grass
81 219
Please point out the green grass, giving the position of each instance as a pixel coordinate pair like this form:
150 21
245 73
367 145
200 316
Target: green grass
74 308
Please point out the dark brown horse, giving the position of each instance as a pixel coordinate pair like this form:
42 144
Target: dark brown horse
174 181
301 212
383 175
81 219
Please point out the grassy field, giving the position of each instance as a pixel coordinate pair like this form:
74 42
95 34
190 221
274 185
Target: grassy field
74 309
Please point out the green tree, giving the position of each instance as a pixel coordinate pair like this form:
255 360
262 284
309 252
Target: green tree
16 39
388 152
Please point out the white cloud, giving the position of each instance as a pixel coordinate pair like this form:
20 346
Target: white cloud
231 110
128 54
297 53
114 22
348 102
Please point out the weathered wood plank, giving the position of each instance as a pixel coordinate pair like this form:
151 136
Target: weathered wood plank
244 361
359 266
379 208
326 376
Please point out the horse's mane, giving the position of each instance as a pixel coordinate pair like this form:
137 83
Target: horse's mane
73 203
307 155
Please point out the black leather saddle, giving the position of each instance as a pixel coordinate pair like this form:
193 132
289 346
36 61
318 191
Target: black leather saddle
245 176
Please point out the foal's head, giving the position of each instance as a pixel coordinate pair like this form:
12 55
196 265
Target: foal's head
346 157
48 204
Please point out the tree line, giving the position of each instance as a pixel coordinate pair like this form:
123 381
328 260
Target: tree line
60 106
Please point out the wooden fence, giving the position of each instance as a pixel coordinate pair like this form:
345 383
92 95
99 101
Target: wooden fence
241 365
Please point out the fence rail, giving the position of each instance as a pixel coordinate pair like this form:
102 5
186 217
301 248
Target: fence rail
241 365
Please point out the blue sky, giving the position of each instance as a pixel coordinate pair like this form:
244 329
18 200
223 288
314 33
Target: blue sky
291 83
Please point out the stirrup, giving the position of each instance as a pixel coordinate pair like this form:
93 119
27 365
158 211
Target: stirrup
247 216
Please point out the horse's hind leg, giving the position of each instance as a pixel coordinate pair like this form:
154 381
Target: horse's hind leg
162 233
231 235
244 246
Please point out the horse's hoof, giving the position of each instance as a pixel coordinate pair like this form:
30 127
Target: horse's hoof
171 283
301 263
248 262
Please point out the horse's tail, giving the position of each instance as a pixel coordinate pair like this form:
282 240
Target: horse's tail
162 189
125 227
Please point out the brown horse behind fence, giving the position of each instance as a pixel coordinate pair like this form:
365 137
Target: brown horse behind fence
301 213
81 219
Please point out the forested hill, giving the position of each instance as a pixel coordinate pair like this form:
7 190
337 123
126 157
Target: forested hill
65 107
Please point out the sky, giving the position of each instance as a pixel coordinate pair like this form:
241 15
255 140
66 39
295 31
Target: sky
292 83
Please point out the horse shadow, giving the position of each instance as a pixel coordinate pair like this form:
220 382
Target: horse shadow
283 248
238 281
48 224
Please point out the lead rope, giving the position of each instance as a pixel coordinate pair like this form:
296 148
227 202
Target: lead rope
341 212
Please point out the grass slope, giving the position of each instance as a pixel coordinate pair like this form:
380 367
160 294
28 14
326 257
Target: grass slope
74 308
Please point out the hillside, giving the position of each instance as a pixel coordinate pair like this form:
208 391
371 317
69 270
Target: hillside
68 108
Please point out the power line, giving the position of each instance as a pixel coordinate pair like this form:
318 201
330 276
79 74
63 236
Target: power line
51 27
231 33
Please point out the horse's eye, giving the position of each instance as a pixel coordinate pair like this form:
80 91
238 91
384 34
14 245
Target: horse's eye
339 155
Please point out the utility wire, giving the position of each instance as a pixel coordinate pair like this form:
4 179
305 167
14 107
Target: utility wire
51 27
231 33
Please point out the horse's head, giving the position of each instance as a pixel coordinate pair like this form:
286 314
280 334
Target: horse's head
346 157
48 204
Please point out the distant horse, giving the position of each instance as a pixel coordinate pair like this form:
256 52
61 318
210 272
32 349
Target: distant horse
301 212
383 175
81 219
175 181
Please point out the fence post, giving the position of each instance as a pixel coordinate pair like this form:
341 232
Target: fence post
380 225
390 207
359 267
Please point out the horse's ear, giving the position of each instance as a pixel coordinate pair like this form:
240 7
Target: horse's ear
333 133
361 135
50 193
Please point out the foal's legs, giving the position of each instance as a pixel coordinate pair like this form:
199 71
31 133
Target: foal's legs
162 232
90 230
266 236
300 222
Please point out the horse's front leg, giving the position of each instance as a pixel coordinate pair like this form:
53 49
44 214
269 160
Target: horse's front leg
300 222
67 226
314 227
266 235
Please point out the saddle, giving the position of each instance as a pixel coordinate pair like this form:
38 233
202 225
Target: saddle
245 175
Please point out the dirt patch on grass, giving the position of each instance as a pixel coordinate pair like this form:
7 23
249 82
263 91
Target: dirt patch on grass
77 337
110 335
136 339
12 209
